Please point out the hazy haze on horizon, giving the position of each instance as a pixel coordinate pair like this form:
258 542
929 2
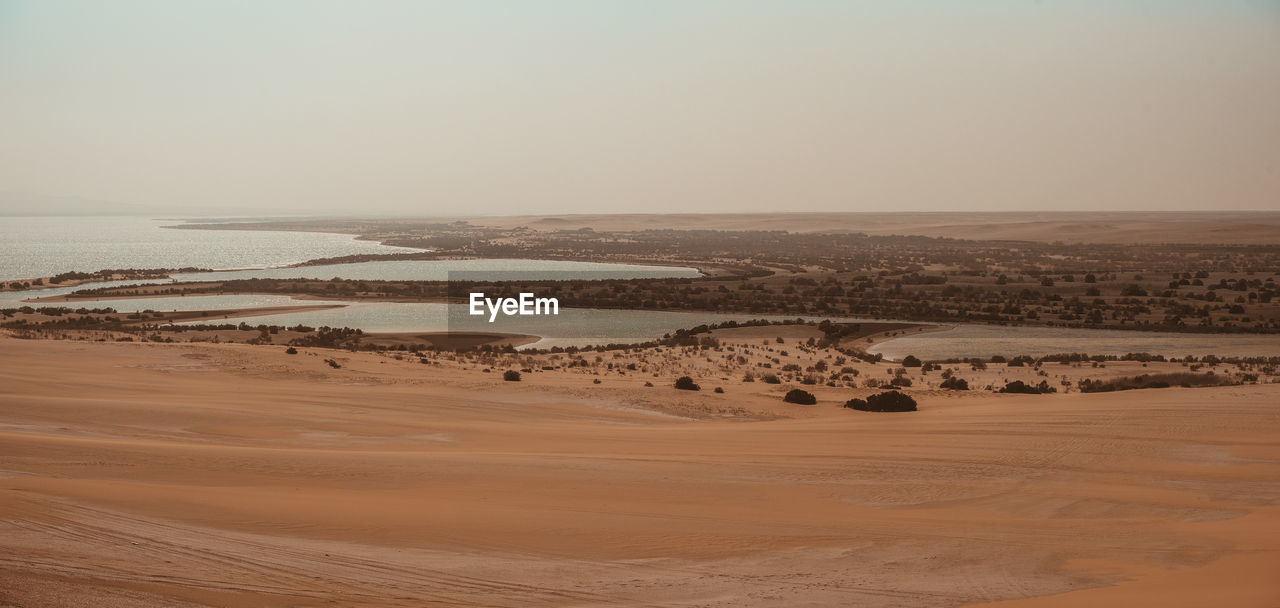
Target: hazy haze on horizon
461 108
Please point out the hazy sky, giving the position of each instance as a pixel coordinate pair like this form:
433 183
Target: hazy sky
546 107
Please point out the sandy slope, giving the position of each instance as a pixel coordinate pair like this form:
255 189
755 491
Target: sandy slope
228 475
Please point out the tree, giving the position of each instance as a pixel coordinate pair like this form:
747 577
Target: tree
686 383
910 361
511 375
800 396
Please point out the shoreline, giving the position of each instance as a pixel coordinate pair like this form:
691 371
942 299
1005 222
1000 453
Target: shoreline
448 340
868 342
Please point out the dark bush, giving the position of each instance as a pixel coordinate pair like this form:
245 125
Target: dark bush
955 384
770 379
800 396
890 401
1185 380
1018 386
910 361
719 389
511 375
686 383
291 351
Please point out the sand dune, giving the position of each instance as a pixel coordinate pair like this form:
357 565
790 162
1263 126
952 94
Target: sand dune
229 475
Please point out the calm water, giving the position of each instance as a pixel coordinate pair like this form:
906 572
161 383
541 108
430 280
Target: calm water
988 340
45 246
439 270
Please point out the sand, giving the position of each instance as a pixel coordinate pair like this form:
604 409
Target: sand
232 475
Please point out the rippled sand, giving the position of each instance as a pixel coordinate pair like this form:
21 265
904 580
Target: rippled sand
227 475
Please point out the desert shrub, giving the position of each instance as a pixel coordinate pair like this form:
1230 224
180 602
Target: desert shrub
1018 386
291 351
686 383
910 361
890 401
333 364
901 381
800 396
770 379
955 384
719 389
1185 380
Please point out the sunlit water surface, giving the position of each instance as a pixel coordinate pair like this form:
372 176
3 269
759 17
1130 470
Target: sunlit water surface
33 247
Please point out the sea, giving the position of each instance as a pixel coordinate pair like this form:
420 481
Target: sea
33 247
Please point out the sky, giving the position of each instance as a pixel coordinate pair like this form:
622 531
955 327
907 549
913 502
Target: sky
479 107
